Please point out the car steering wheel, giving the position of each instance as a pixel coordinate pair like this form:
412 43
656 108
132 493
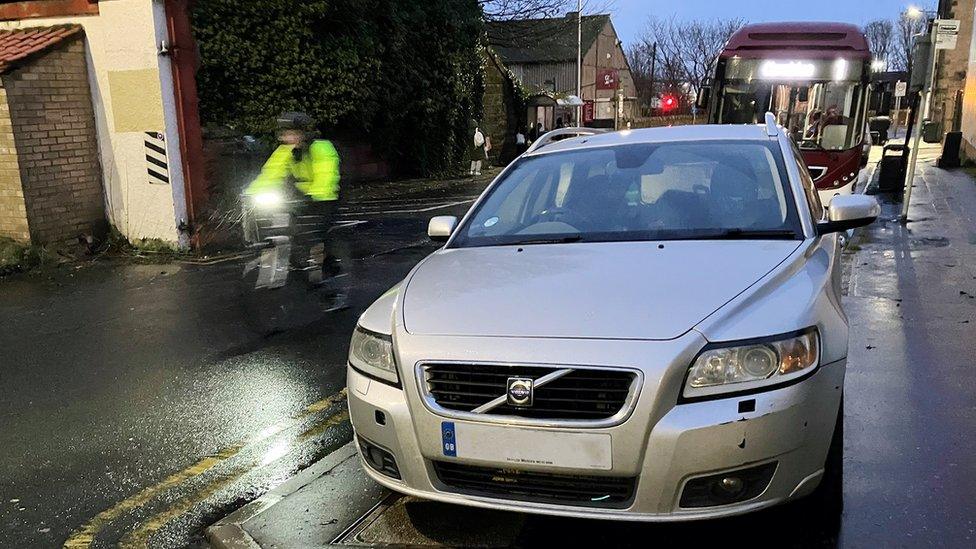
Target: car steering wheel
569 217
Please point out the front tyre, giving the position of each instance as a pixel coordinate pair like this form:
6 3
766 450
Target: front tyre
829 495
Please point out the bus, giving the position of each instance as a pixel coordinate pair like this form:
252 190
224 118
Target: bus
814 77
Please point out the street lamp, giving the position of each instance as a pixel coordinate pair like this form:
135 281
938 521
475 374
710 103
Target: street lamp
932 17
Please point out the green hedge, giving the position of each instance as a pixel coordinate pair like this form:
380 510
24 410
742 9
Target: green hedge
403 75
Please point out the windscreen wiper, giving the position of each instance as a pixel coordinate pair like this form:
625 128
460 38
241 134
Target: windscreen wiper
748 234
550 240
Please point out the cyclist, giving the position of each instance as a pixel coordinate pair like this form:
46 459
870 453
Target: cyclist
307 169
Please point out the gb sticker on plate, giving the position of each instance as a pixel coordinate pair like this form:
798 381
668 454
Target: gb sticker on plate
448 439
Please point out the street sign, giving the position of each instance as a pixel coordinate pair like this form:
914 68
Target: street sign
588 111
901 88
607 79
946 32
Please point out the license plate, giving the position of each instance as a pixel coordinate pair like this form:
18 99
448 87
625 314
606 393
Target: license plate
522 446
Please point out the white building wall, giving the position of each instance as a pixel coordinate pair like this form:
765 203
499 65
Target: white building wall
132 94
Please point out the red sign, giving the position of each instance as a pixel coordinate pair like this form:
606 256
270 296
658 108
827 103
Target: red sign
587 111
607 79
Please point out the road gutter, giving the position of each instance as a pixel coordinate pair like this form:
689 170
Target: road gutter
229 532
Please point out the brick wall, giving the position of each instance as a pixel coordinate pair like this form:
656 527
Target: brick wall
13 212
54 131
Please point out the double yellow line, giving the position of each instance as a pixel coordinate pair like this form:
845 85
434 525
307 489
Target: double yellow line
85 536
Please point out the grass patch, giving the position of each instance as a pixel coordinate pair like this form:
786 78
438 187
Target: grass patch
149 249
17 257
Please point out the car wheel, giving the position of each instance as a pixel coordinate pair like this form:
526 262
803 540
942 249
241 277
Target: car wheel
829 495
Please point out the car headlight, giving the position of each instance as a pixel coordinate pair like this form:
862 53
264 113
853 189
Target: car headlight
268 199
752 365
372 354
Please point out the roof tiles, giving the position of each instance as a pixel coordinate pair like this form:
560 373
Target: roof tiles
17 45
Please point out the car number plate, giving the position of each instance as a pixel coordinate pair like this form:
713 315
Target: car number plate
517 445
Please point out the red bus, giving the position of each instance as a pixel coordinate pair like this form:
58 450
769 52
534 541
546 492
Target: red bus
814 77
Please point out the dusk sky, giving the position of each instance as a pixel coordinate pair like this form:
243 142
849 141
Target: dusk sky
630 16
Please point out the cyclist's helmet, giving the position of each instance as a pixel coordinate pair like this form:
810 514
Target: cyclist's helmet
294 121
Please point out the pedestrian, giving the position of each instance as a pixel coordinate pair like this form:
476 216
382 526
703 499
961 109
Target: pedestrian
305 170
477 152
559 123
521 144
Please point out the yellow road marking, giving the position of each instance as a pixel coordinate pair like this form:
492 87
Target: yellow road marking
84 536
323 404
321 427
140 536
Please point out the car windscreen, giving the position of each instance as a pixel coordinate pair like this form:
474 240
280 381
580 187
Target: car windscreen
658 191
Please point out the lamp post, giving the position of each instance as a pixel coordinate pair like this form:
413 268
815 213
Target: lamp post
579 60
914 12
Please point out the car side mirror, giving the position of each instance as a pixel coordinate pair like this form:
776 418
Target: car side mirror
440 228
848 212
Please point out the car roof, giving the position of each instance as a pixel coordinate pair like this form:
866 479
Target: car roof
708 132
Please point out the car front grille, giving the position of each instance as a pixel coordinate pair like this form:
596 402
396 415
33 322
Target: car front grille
582 394
579 490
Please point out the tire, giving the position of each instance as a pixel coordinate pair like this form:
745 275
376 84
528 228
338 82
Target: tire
829 495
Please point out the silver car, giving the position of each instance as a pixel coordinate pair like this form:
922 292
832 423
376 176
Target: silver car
640 325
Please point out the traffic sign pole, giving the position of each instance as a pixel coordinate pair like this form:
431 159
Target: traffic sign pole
944 32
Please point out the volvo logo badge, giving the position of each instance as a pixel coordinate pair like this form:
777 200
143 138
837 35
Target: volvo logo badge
519 391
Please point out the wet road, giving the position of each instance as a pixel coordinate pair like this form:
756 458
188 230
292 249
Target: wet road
141 402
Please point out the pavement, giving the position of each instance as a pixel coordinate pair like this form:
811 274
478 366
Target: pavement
142 402
909 475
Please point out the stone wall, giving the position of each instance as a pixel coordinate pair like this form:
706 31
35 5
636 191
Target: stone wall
952 65
53 126
500 116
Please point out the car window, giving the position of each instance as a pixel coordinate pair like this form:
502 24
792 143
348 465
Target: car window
637 192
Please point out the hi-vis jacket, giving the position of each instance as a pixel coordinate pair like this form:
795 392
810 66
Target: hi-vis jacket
316 174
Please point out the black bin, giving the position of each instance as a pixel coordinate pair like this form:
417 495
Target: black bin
950 151
931 131
879 126
891 170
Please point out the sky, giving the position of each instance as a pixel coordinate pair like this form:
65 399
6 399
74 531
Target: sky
630 16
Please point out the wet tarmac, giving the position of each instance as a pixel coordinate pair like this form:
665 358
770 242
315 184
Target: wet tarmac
141 402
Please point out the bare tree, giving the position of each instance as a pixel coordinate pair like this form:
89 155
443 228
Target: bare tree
501 10
641 57
687 49
908 28
496 10
881 39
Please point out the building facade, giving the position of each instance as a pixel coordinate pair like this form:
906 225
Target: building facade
952 67
145 138
542 55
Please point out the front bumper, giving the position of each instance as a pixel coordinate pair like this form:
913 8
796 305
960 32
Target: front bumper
791 426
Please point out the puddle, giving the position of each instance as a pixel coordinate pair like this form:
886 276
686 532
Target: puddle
929 242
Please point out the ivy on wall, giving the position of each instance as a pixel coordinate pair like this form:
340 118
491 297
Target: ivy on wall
402 75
